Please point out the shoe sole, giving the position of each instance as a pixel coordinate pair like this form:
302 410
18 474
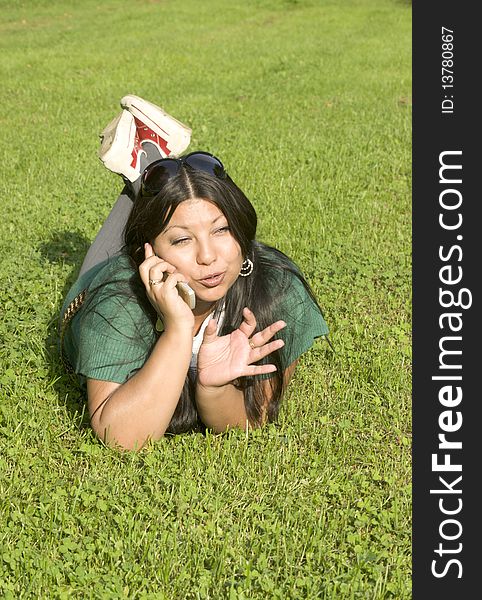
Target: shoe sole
177 134
117 144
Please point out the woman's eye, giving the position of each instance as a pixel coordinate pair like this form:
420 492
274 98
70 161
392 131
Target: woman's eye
179 241
223 229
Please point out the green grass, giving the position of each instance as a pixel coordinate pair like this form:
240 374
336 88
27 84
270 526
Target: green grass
308 105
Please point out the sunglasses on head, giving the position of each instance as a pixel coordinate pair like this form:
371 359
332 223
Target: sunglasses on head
156 175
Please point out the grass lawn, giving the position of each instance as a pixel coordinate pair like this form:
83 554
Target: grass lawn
308 103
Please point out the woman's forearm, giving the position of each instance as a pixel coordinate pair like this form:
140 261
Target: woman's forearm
142 408
221 408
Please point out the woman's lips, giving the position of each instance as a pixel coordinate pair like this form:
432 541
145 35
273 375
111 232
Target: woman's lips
212 280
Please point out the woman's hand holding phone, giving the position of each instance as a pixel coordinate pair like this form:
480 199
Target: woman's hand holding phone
187 294
167 291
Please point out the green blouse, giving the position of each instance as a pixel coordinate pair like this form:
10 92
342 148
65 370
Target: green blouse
110 337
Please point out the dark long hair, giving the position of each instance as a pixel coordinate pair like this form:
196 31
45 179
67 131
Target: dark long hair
259 291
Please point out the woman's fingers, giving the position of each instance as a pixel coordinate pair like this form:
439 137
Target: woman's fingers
172 280
148 250
259 341
153 268
259 370
262 351
260 338
158 266
210 333
249 322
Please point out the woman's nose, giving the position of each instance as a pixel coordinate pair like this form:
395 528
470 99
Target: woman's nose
206 253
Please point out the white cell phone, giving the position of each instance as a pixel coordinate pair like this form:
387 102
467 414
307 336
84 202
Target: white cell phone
187 294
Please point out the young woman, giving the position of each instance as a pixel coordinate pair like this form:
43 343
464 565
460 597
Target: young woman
151 362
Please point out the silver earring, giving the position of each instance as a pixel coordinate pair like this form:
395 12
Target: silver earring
246 267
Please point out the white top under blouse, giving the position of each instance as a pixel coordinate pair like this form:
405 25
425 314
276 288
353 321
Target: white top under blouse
198 338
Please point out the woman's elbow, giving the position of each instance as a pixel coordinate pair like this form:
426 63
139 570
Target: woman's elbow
122 440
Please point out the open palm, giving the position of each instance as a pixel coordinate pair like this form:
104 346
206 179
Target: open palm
223 359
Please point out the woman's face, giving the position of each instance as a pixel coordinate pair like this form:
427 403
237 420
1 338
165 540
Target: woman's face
199 244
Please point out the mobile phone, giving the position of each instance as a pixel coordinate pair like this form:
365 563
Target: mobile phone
187 294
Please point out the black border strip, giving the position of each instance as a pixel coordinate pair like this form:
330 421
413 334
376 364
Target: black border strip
445 544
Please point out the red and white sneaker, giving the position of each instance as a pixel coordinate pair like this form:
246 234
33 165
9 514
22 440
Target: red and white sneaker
142 133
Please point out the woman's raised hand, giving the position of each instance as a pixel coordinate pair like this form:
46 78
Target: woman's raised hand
221 360
160 279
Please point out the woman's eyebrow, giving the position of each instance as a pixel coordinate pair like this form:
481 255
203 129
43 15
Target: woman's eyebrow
175 227
186 227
